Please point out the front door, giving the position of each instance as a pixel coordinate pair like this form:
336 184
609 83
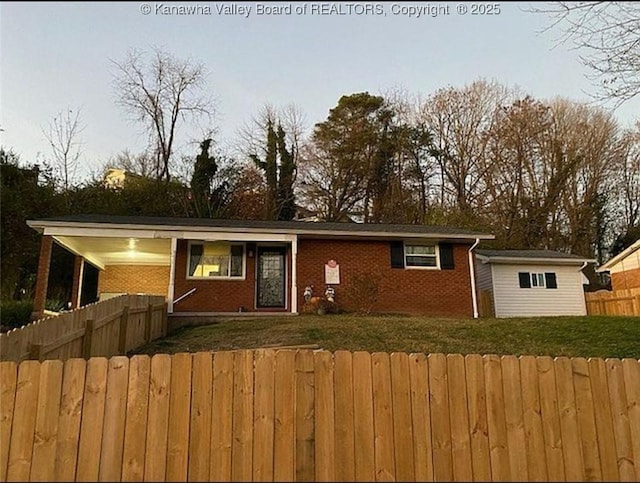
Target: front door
271 277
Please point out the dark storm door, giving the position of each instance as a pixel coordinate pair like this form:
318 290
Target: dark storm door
271 277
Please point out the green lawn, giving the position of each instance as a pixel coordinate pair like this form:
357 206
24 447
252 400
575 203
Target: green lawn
592 336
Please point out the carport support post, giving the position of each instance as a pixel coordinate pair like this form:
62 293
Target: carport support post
42 277
172 275
76 291
294 274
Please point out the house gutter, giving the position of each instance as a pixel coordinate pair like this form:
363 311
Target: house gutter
474 297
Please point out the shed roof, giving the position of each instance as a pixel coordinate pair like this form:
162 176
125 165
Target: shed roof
529 256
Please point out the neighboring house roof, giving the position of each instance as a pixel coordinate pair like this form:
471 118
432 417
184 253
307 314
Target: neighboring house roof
257 226
627 252
530 256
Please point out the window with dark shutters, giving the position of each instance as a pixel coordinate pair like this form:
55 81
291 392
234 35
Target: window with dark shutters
446 256
525 279
550 280
397 254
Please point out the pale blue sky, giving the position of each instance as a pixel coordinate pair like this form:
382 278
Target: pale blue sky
54 55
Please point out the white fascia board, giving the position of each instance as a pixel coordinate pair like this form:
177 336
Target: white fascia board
538 261
98 232
605 267
236 236
169 231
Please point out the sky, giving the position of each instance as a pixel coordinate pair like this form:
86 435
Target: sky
58 55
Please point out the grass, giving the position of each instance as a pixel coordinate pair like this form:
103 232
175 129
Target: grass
590 336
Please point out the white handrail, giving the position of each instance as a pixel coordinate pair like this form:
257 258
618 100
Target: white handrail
184 295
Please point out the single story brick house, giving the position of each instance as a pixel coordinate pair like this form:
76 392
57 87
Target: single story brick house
624 268
206 267
532 282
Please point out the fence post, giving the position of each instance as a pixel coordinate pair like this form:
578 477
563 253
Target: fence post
147 322
36 352
87 342
124 322
636 305
603 307
165 319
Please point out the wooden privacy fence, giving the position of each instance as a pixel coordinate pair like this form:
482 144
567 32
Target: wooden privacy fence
485 304
619 302
314 415
110 327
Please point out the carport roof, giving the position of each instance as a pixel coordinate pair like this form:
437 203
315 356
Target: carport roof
257 226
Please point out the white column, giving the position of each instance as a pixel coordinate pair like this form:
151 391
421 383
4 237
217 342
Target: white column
172 275
79 294
294 275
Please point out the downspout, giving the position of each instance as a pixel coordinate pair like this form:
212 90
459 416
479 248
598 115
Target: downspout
584 298
474 297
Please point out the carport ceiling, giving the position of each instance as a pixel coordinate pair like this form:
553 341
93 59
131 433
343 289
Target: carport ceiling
118 251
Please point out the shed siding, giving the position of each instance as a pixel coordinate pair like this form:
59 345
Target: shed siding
512 301
483 273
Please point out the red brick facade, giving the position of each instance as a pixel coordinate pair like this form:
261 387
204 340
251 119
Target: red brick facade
226 295
411 291
400 290
625 280
147 279
42 277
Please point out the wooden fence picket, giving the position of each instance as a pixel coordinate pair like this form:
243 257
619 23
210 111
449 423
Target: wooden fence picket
305 415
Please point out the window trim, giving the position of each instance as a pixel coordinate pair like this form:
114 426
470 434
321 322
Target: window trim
539 276
413 267
226 277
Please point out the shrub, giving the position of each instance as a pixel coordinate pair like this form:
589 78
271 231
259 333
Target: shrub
363 291
15 313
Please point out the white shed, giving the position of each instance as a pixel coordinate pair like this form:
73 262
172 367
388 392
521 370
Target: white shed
526 283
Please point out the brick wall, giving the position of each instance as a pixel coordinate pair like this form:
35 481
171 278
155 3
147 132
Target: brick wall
226 295
625 280
428 292
152 280
412 291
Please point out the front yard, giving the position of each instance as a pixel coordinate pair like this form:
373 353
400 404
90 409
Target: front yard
592 336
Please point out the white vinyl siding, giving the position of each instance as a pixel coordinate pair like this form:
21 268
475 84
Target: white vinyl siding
512 301
483 273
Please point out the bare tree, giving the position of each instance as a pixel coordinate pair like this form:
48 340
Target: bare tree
63 134
161 91
609 35
629 179
460 119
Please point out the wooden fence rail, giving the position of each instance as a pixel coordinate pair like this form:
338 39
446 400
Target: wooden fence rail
620 302
284 415
111 327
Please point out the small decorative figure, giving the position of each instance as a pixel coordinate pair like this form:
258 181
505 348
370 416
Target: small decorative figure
330 294
308 293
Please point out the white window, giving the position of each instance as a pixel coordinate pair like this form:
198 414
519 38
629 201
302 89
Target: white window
421 256
215 260
537 280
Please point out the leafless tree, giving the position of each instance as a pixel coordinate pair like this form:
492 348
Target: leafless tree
63 134
161 91
608 34
629 179
252 136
